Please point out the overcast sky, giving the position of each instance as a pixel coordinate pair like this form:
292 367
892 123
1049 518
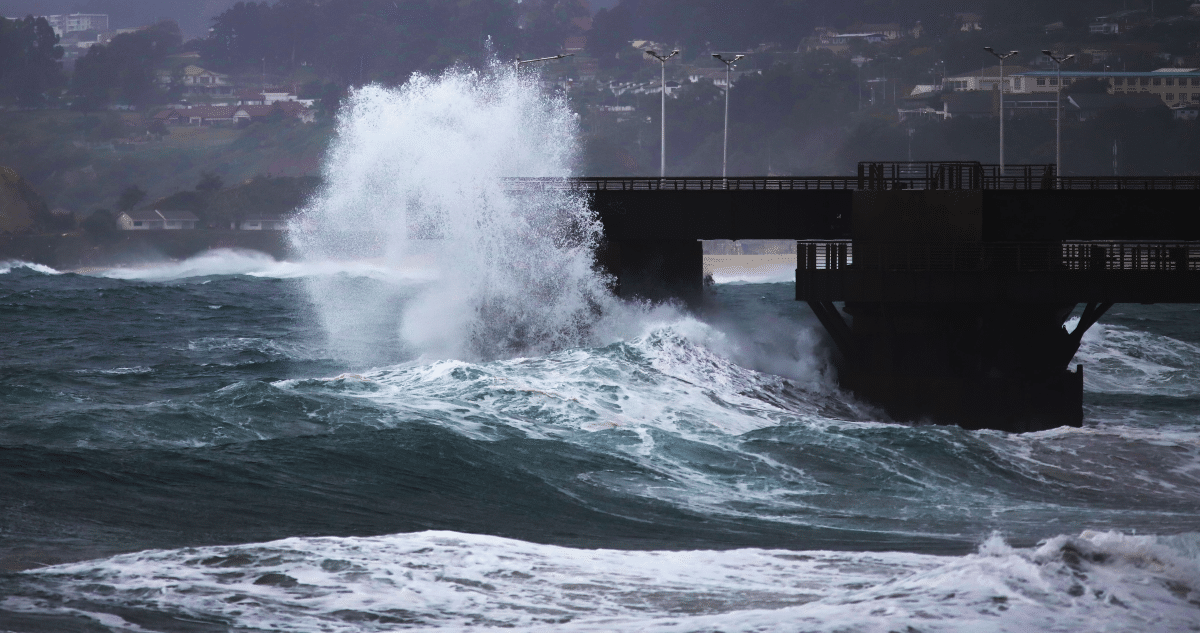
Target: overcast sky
194 16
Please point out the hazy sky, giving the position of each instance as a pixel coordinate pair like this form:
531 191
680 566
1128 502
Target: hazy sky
193 16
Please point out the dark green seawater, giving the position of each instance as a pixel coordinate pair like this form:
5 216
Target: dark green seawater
186 451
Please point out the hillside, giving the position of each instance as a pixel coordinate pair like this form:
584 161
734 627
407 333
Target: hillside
81 162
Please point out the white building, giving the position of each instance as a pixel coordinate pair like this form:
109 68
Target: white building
75 22
263 222
155 220
988 79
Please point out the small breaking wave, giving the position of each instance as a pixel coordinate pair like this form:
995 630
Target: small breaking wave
256 264
8 266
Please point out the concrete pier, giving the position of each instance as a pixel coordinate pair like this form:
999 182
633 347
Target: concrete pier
945 287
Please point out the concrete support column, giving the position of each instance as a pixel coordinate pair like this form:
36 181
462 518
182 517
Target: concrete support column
656 270
996 366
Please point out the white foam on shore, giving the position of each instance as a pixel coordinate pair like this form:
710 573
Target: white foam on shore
448 581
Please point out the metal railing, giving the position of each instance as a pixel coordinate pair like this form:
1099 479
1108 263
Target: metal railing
999 257
851 183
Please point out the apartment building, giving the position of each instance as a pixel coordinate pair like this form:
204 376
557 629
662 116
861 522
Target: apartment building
1174 86
76 22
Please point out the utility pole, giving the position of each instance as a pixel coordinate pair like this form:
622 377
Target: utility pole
1001 57
662 59
1058 61
728 86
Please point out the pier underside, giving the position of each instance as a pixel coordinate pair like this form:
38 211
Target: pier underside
994 366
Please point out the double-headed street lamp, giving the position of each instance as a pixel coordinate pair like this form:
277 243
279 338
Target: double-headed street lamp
662 164
728 86
1058 61
1001 57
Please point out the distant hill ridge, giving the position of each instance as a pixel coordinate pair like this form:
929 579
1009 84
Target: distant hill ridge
22 210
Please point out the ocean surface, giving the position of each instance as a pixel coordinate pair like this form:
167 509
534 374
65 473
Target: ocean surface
190 447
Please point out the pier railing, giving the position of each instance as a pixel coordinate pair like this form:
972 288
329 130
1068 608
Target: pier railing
878 177
999 257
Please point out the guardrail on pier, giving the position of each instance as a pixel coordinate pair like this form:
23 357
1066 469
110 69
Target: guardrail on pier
999 257
879 177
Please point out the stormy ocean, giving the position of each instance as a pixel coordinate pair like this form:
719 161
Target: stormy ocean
435 416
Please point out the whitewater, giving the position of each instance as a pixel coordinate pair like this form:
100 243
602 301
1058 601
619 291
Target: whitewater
435 416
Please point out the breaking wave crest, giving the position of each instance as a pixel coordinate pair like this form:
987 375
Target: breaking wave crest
8 266
420 171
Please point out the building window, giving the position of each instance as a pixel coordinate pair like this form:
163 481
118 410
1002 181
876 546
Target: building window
1053 82
1145 81
1196 96
1119 81
138 223
1066 82
1170 96
1158 81
1170 81
1196 81
1041 81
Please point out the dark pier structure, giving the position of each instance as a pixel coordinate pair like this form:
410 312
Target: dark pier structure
955 280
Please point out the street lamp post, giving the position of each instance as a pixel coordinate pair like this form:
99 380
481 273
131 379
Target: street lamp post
662 163
728 86
1058 61
1001 57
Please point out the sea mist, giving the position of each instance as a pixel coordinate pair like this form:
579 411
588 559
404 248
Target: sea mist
417 179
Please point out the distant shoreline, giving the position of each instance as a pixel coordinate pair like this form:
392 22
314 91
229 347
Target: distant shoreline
76 251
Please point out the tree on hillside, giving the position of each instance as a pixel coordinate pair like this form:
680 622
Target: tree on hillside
124 70
158 129
130 197
30 72
352 42
100 224
209 182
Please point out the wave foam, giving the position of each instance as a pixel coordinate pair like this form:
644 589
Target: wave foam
255 264
447 580
1120 360
8 266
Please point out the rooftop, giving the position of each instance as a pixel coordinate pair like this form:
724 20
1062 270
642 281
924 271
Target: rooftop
1074 74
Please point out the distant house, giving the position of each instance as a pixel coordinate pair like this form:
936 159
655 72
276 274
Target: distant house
209 115
1188 112
1116 23
244 114
987 79
263 222
889 31
155 220
969 21
77 22
846 38
169 115
1172 86
198 81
